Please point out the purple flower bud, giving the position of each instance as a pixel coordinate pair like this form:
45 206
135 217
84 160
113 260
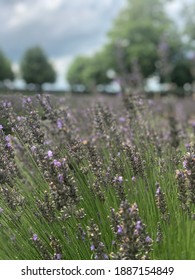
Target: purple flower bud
35 237
187 145
60 178
105 257
122 119
92 247
138 225
1 127
59 124
19 118
6 104
57 163
120 229
185 164
120 179
148 239
8 145
28 100
58 256
158 191
1 210
50 154
7 138
33 149
133 179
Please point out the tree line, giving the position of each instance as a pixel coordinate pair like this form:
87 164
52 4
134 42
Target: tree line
35 68
142 42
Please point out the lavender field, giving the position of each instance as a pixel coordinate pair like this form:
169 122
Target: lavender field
99 177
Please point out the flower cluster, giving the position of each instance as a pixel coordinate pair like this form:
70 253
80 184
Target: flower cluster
97 246
135 243
186 179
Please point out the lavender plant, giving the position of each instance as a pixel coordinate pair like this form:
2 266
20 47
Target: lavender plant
72 189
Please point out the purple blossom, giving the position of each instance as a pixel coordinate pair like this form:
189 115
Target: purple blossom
92 247
28 100
7 138
1 127
19 118
105 257
8 145
187 145
58 256
7 104
60 178
122 119
57 163
33 149
47 142
138 225
133 179
148 239
120 179
158 191
120 230
50 154
59 124
185 163
35 237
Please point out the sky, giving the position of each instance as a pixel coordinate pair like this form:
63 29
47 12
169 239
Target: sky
63 28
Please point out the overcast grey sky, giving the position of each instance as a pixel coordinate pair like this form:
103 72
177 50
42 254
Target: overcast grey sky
63 28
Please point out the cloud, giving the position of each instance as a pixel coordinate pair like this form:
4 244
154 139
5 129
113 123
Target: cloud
60 27
63 28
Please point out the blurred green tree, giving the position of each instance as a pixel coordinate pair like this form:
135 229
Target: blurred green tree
36 69
88 71
144 36
137 32
75 71
6 72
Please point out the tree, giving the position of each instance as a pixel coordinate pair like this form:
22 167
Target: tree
143 41
75 71
36 69
182 73
6 72
88 71
137 31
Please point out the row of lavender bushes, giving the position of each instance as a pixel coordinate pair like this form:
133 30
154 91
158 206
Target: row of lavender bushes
120 186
